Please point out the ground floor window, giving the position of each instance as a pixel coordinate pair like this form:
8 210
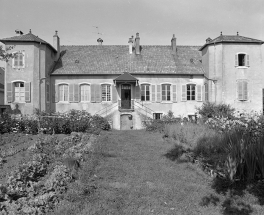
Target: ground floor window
19 92
63 92
106 92
242 88
85 92
145 92
166 92
190 92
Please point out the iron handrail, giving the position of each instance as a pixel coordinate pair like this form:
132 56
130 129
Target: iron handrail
106 109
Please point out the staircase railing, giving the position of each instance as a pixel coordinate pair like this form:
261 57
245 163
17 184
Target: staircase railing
126 105
106 109
144 108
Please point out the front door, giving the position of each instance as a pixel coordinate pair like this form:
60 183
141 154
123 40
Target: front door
126 96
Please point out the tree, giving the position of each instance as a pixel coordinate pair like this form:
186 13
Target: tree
4 55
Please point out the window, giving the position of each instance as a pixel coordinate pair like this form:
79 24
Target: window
145 92
242 90
106 95
85 92
166 92
19 60
241 59
206 96
19 92
157 115
190 92
47 93
63 92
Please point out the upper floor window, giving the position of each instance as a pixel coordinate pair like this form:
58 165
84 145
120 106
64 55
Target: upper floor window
242 90
190 92
19 91
242 59
19 60
106 92
145 92
166 92
63 92
85 92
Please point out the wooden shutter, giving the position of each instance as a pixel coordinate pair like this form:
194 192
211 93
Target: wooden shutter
114 94
174 93
206 92
71 92
245 90
76 93
203 93
158 93
137 93
240 90
198 93
9 92
98 96
55 93
236 60
184 93
92 93
153 93
27 91
247 60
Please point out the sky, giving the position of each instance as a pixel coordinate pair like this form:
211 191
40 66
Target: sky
192 21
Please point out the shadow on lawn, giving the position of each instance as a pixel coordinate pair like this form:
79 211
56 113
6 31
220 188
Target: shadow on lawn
232 204
175 153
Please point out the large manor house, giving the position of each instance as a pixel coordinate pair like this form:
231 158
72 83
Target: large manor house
131 83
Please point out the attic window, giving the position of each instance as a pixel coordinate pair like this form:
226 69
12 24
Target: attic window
77 61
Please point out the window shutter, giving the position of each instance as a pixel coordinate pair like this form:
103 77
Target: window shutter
153 93
203 93
27 91
199 93
114 94
98 95
55 93
92 93
76 93
9 92
70 92
245 90
240 90
158 93
184 93
247 60
137 93
174 93
206 92
236 60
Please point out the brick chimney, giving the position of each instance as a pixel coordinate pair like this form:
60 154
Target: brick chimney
130 42
173 43
100 41
56 44
137 43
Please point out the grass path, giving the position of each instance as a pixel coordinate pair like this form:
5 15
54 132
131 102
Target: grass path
136 178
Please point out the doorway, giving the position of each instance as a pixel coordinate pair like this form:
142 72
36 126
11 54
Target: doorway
126 96
126 122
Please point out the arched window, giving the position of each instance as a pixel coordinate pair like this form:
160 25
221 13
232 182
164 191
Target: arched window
145 92
63 92
166 92
19 91
106 92
85 92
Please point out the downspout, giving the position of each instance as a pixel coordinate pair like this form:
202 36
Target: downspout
39 81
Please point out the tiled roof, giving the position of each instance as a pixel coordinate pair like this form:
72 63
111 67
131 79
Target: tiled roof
115 59
232 39
27 38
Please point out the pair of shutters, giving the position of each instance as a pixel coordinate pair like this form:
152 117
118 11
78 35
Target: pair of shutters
246 60
242 90
74 94
199 93
10 92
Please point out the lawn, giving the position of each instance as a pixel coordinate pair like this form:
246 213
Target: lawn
137 175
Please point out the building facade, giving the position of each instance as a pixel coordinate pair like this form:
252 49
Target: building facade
130 84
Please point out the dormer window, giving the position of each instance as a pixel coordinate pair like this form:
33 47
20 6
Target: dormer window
242 60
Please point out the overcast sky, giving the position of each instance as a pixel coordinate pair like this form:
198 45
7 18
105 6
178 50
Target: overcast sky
192 21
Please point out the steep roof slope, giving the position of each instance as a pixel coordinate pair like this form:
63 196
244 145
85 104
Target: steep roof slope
115 59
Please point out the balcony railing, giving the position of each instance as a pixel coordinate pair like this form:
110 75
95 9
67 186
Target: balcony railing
126 104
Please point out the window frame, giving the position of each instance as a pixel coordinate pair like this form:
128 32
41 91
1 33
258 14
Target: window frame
166 92
19 89
246 60
191 84
159 114
22 52
59 96
145 92
108 95
89 92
